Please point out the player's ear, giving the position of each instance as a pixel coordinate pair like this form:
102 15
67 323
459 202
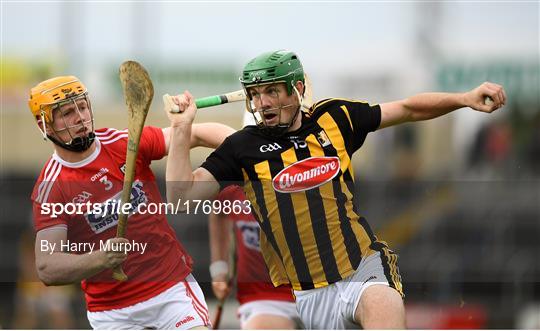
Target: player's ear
300 87
39 122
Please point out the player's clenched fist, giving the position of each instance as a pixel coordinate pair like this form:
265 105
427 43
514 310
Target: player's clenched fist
185 109
220 287
486 97
114 252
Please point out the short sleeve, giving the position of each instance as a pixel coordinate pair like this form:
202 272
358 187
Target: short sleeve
45 207
152 144
224 166
355 119
365 118
44 216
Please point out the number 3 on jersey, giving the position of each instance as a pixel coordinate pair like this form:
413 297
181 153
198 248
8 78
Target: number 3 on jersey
108 184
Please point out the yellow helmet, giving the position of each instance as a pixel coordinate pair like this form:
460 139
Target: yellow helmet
45 95
53 94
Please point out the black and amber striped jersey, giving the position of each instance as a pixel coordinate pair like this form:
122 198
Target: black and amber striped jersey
301 188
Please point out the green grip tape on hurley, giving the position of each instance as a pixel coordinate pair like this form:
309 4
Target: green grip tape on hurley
209 101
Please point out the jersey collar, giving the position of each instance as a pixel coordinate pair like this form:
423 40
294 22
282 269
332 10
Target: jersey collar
83 162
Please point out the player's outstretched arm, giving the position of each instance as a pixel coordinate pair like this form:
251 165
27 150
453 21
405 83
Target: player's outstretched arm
209 135
426 106
55 267
183 183
203 135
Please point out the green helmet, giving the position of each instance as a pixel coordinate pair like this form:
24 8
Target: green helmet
278 66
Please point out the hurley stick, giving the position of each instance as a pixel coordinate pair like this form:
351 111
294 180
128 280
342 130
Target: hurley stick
138 92
235 96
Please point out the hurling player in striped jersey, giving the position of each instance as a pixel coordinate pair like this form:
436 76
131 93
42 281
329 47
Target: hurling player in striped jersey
262 306
77 243
295 168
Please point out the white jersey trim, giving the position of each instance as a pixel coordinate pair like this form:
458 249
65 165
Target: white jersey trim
51 183
81 163
46 185
54 227
106 132
110 134
46 177
115 139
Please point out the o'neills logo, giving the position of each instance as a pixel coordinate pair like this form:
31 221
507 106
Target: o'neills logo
187 319
306 174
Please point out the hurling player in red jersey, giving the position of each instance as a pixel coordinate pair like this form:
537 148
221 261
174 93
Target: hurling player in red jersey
75 206
262 306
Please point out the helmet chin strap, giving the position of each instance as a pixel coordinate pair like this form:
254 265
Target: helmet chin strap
44 130
79 144
286 127
300 105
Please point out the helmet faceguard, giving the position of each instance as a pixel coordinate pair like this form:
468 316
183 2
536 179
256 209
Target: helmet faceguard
258 115
270 69
63 95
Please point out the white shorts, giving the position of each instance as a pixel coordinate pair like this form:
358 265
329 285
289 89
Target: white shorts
268 307
180 307
332 307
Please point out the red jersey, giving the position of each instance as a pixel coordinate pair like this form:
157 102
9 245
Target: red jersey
98 181
252 277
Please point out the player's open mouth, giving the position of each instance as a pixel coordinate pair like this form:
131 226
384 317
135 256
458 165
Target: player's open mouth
269 116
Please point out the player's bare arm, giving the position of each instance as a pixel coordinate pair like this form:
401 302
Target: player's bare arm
203 135
218 228
426 106
182 182
55 267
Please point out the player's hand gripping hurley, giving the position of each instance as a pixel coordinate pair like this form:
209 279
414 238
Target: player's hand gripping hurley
138 92
231 276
